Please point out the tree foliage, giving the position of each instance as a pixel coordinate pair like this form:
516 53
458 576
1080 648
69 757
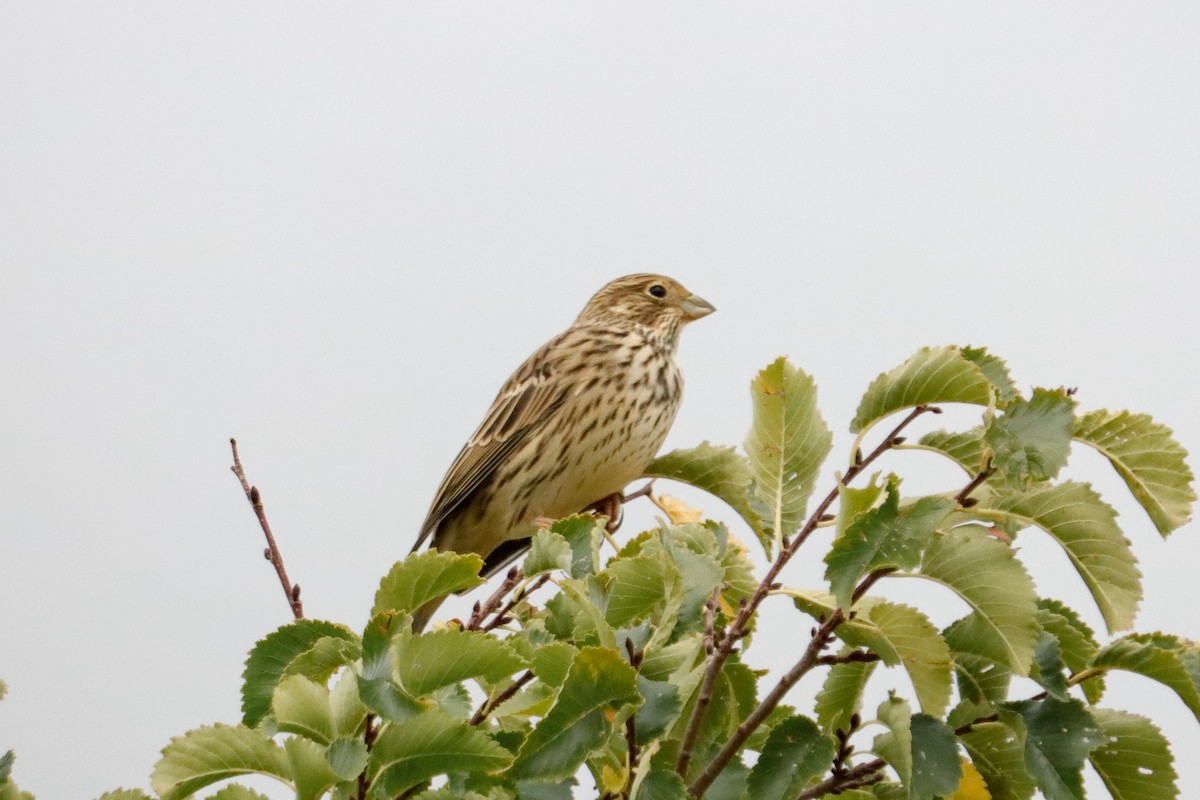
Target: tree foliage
635 670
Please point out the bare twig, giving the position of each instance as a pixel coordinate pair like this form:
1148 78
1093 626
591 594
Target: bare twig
635 661
856 777
369 734
483 610
854 656
964 498
502 617
737 629
491 703
272 554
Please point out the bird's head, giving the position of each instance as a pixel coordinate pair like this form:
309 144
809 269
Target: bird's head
655 301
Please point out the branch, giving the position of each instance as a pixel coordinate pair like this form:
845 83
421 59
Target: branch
820 640
738 629
484 609
272 554
491 703
964 498
635 661
502 617
853 778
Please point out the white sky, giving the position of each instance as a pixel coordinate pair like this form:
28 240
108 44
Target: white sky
332 232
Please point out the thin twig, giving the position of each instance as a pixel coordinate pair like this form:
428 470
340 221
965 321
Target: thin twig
811 658
964 498
856 777
737 629
635 661
491 703
369 734
502 617
272 554
484 609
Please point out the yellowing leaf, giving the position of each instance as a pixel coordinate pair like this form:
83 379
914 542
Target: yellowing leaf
972 786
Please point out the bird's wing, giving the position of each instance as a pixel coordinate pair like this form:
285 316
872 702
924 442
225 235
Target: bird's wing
525 403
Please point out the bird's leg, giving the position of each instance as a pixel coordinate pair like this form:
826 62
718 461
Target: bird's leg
609 507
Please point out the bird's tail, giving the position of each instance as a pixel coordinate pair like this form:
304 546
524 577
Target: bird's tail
421 615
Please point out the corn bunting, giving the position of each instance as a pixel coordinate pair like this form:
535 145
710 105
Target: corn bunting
576 423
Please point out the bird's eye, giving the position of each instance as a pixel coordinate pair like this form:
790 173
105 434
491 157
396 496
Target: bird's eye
657 291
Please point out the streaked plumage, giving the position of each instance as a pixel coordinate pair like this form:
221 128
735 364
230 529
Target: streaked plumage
577 422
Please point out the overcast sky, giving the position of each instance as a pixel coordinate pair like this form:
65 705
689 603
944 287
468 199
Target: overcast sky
332 232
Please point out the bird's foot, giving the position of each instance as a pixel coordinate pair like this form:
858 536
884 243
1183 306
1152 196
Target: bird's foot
609 507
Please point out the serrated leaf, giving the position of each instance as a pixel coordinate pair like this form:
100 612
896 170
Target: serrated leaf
584 533
6 762
327 655
721 471
1048 666
841 695
853 503
576 725
661 705
965 448
347 757
1076 640
235 791
429 661
1085 527
787 443
639 585
124 794
887 537
661 783
310 772
302 707
1031 440
795 754
981 678
921 749
1160 657
1148 458
986 574
548 551
426 576
899 635
428 744
271 657
1135 763
203 756
972 786
997 750
376 689
933 375
1059 736
996 371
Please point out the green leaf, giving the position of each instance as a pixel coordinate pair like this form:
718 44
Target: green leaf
203 756
302 707
885 537
272 656
639 585
659 710
921 749
327 655
125 794
721 471
430 661
841 696
853 503
347 757
661 783
981 677
1031 440
1085 527
795 754
599 680
1160 657
6 762
1075 638
899 635
997 750
376 689
584 533
1149 460
235 791
548 551
933 375
1059 736
996 371
965 448
786 444
426 576
1135 763
428 744
986 574
310 771
1048 666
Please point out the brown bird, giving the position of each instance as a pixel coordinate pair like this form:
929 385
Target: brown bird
576 423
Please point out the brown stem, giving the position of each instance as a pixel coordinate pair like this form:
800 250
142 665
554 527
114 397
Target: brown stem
272 554
862 775
964 498
484 609
491 703
502 615
737 629
369 734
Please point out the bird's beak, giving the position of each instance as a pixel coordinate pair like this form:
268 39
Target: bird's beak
694 307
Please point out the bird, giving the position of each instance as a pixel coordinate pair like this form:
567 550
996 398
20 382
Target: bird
577 422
